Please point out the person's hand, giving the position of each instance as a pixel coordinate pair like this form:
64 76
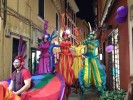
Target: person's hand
83 57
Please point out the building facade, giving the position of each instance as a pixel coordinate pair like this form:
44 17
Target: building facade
26 18
111 32
83 28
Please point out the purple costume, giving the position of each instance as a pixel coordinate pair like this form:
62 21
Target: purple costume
44 63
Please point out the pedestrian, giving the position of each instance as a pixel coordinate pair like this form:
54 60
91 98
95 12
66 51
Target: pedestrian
129 95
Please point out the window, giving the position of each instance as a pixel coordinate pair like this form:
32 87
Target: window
56 22
113 62
74 15
34 60
41 8
14 50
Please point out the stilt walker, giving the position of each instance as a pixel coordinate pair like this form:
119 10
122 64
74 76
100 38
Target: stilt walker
46 62
65 63
77 63
92 72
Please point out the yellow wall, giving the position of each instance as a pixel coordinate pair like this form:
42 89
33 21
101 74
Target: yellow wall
1 55
50 15
29 10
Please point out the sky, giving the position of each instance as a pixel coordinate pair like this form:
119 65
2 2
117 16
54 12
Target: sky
86 11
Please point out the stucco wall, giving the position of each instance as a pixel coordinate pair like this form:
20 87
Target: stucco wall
29 10
130 24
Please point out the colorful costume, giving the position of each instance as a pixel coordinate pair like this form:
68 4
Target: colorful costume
77 63
65 62
44 62
5 94
92 72
52 57
44 87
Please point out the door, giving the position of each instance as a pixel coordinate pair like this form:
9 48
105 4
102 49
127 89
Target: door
34 60
15 50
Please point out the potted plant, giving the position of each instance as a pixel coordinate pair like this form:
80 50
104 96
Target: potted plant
113 95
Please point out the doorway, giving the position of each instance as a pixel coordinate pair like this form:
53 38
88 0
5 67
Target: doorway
34 60
15 50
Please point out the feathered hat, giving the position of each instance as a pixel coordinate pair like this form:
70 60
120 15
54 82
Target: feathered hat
21 51
53 35
91 32
66 33
45 35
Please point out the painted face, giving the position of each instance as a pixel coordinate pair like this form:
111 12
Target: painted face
65 37
45 40
17 63
91 37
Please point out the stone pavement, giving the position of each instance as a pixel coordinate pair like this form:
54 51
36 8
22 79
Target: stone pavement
90 94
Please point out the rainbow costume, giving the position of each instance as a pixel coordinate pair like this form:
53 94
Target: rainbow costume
65 62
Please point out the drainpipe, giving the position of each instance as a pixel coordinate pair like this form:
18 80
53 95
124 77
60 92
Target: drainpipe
65 12
4 24
29 59
0 8
17 6
5 13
